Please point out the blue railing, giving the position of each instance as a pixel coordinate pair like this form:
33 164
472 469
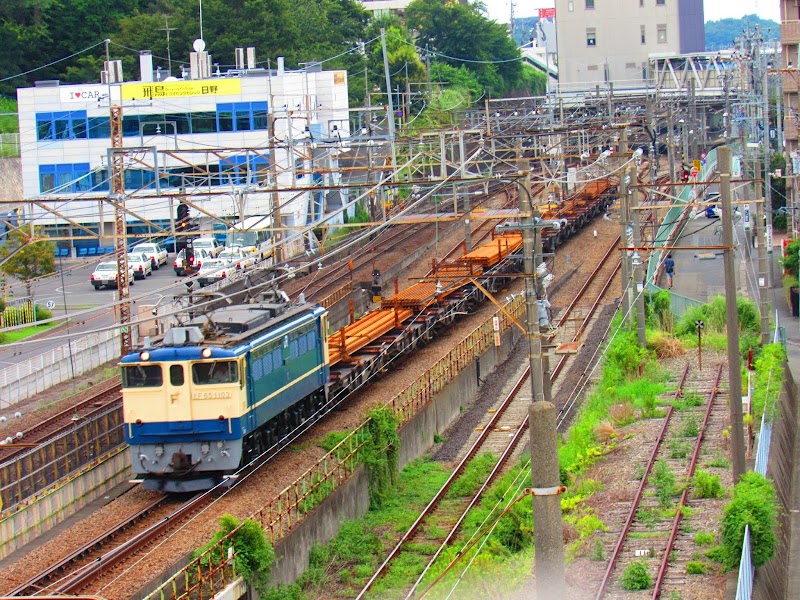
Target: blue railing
744 588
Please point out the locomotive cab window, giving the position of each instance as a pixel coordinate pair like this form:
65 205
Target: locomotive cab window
139 376
223 371
176 375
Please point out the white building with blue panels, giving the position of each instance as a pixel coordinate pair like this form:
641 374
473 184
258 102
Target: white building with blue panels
227 142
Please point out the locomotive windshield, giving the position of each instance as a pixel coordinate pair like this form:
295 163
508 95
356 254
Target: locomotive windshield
138 376
222 371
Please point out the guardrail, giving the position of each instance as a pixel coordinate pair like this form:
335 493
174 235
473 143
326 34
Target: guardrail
24 479
284 512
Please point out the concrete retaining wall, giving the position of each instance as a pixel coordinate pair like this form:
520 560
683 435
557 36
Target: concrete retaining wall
416 438
53 507
772 581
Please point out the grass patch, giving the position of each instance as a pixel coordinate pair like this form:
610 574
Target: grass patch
10 337
719 462
351 557
704 538
475 473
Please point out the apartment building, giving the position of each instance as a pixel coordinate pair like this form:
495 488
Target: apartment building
602 41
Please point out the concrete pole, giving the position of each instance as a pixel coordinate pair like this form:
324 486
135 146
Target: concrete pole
547 533
763 269
767 166
638 285
624 221
548 538
391 107
734 369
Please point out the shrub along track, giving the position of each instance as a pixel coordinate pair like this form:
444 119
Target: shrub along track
510 417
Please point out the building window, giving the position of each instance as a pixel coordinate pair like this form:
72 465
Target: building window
570 6
641 33
242 169
641 2
64 179
61 125
661 35
591 37
242 116
661 2
589 4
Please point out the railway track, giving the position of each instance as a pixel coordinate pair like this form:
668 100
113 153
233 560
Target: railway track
660 536
87 404
501 435
75 572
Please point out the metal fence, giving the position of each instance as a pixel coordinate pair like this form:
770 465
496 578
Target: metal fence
86 445
9 145
26 379
744 586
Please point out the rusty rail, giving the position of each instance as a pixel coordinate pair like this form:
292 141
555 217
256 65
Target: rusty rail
639 493
676 522
42 579
447 484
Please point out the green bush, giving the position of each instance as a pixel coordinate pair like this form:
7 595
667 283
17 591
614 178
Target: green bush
380 454
704 538
714 315
769 378
754 503
694 567
254 553
663 480
792 260
636 576
707 485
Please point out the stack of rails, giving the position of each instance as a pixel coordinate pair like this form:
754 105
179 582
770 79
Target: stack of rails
366 340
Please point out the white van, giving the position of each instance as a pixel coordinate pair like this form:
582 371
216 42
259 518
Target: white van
252 235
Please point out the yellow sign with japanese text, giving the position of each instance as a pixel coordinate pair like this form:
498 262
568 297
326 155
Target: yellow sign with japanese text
178 89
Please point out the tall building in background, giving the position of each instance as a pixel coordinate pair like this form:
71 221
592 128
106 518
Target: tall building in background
601 41
790 42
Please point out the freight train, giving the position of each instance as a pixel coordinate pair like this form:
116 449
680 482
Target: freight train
221 388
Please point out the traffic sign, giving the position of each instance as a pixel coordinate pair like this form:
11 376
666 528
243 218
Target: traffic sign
694 171
50 305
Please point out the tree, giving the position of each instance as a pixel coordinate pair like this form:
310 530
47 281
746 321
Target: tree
26 260
462 35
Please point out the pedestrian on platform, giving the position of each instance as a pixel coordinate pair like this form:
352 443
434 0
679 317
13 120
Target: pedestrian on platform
669 269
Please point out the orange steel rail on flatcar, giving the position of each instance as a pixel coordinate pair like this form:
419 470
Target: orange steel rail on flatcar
446 279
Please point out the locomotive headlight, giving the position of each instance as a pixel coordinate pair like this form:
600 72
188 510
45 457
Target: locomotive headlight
159 451
144 356
204 448
205 352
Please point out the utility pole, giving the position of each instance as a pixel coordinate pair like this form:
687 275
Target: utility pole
624 221
391 106
734 370
545 477
767 167
763 268
167 28
637 284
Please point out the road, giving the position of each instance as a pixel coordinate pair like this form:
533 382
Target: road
88 308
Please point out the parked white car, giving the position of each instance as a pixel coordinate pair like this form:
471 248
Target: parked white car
141 264
239 257
105 274
207 243
155 252
213 270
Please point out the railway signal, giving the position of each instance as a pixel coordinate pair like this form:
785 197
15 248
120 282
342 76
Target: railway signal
699 325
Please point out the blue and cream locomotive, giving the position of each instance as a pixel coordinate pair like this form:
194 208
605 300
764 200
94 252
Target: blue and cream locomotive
220 389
